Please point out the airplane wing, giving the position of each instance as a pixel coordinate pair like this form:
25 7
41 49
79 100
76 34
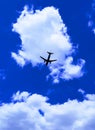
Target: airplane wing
52 60
43 58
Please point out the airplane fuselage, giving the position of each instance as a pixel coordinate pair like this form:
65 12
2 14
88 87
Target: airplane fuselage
48 59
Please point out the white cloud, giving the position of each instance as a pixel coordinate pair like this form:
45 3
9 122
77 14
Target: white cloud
91 22
81 91
91 97
20 60
20 96
25 114
44 31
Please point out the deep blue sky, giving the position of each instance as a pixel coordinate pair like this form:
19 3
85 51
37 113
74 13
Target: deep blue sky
75 16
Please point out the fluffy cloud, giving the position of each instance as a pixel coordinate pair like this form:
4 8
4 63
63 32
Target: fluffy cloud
43 31
81 91
91 22
27 112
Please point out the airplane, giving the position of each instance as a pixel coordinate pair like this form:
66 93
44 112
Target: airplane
48 59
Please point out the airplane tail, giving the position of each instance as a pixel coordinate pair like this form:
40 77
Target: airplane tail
49 52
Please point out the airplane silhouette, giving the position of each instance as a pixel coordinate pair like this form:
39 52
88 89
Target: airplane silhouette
48 59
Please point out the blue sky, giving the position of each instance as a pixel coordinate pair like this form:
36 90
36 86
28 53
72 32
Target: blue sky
33 94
